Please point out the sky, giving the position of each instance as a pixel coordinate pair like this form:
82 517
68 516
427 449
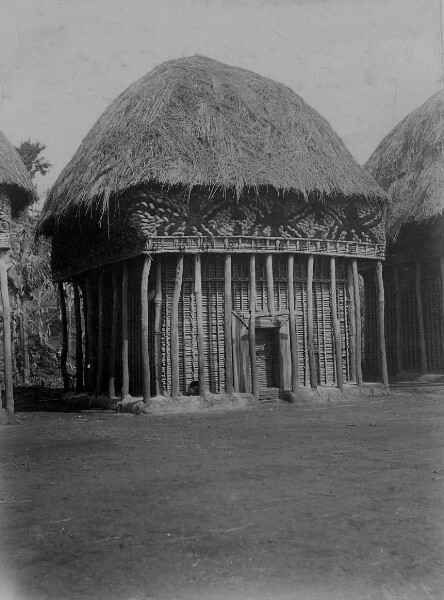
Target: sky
363 64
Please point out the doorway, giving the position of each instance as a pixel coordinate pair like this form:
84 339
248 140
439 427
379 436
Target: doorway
267 356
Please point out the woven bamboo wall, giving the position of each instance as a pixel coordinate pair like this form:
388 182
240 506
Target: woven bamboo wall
272 331
213 313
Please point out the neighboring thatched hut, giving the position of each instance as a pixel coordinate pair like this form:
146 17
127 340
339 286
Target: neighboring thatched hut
16 192
214 225
409 164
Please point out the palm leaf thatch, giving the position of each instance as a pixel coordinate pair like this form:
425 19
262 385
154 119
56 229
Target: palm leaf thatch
15 177
198 122
409 165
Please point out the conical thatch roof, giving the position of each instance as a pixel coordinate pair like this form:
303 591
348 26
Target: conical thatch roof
409 165
195 121
14 176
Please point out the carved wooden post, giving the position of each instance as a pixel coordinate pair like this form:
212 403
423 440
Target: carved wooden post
64 353
352 320
229 380
174 329
7 344
82 286
100 336
158 328
292 325
381 323
270 285
125 338
113 341
441 262
252 329
358 322
398 319
91 321
311 357
79 341
336 326
199 315
420 317
144 329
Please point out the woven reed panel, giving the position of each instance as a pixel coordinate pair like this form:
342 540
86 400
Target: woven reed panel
213 323
322 326
214 318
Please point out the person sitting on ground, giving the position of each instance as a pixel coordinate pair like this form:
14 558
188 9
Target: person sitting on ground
193 388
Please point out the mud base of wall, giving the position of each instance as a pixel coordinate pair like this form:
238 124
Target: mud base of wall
326 394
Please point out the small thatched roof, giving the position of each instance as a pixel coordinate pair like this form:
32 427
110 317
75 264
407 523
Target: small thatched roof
409 165
14 176
198 122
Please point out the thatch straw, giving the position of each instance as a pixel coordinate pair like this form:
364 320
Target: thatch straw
409 165
195 121
15 177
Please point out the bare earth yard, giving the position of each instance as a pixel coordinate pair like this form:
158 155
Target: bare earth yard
328 502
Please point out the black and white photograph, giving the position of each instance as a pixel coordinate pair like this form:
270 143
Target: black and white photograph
222 300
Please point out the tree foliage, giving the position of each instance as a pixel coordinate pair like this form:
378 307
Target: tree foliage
29 152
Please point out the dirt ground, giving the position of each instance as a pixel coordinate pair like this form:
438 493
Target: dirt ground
278 501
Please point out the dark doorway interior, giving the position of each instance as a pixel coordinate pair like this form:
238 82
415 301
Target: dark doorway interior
267 355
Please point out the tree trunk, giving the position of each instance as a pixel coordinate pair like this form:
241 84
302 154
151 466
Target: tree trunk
24 345
7 342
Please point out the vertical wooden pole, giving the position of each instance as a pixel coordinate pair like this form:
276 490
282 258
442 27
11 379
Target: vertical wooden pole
174 328
82 286
358 322
125 339
351 320
228 328
336 326
398 320
441 260
270 285
92 337
235 355
311 356
294 351
252 329
100 336
381 323
420 317
144 329
113 341
199 314
64 354
79 340
7 342
158 328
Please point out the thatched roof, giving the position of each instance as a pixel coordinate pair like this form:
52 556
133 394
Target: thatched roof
14 176
409 165
195 121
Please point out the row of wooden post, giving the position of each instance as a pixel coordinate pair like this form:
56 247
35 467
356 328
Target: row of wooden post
92 376
419 315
